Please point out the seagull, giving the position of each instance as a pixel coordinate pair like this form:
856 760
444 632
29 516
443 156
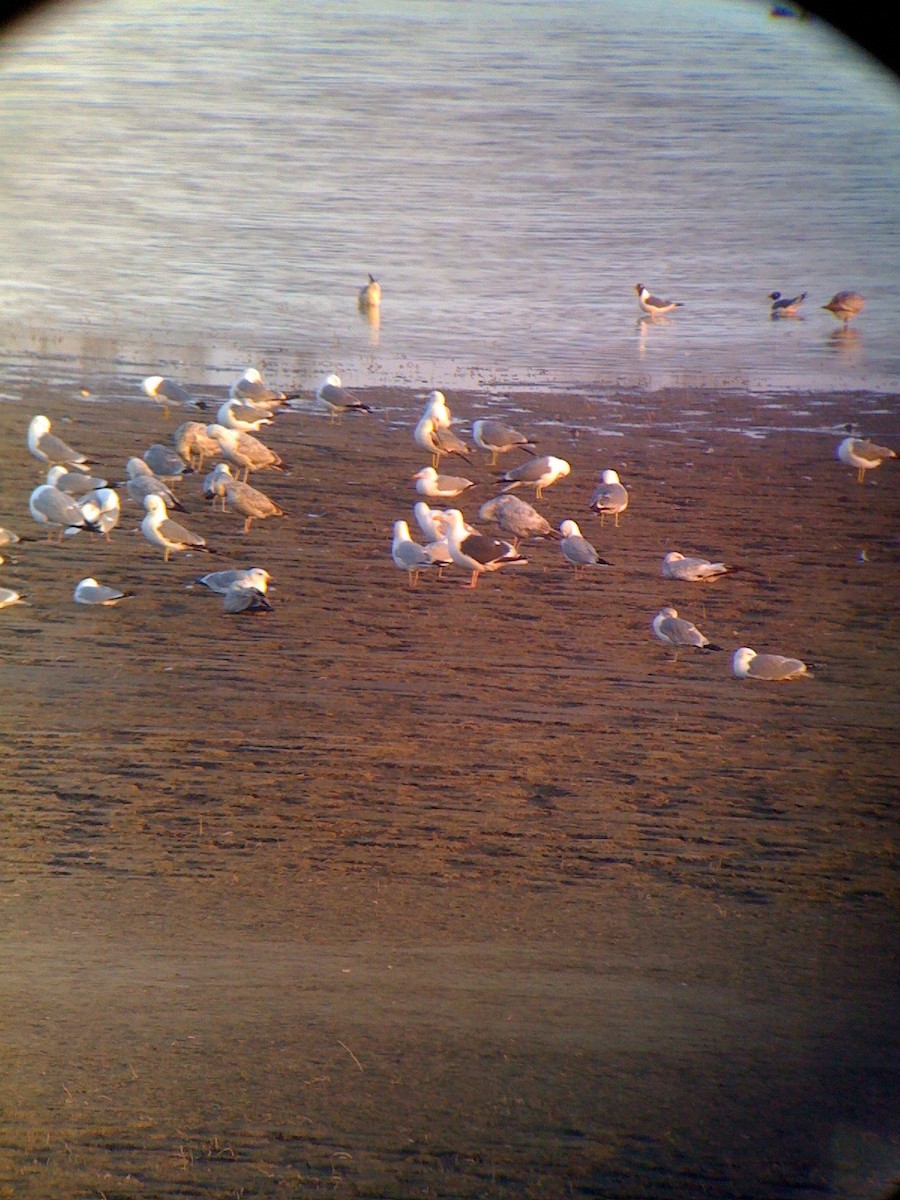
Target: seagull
214 484
245 451
865 456
747 664
75 483
440 487
89 591
538 473
49 506
438 441
675 632
430 520
51 449
140 482
437 408
576 549
192 442
166 463
497 438
409 556
845 306
102 507
166 391
159 530
250 503
652 304
784 307
8 538
9 597
251 387
610 496
676 566
370 294
242 597
517 517
243 415
337 399
475 552
221 581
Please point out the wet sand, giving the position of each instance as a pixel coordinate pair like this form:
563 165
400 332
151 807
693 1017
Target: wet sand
447 893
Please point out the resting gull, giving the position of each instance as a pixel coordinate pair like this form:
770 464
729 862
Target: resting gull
103 508
370 294
782 306
243 597
437 408
251 387
193 443
675 632
59 511
221 581
51 449
161 531
845 306
652 304
747 664
8 597
517 517
409 556
865 456
75 483
165 462
243 415
439 441
475 552
333 396
440 487
577 550
538 473
610 496
692 570
498 438
166 391
140 482
244 450
89 591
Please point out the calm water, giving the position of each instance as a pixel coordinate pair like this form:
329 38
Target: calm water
198 186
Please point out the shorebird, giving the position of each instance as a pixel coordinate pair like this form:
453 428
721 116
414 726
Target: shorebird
250 387
140 482
692 570
516 517
58 511
165 462
193 443
103 508
475 552
409 556
370 294
577 550
440 487
166 391
439 441
845 306
538 473
9 597
242 597
245 451
75 483
250 503
675 632
161 531
747 664
652 304
784 307
89 591
331 394
610 496
496 437
243 415
865 456
221 581
50 449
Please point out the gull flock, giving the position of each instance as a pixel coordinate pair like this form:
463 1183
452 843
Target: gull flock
71 501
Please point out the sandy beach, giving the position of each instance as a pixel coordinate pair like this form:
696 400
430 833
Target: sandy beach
399 892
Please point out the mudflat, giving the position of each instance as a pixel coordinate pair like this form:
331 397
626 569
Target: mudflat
402 892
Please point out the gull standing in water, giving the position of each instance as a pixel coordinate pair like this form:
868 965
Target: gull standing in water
652 304
577 550
538 473
610 496
369 294
498 438
160 530
675 632
865 456
692 570
784 307
89 591
747 664
474 552
50 449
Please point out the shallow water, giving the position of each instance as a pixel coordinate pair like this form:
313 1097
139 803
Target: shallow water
199 188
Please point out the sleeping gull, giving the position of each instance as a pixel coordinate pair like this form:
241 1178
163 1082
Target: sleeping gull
140 482
475 552
409 556
221 581
89 591
193 443
75 483
51 449
370 294
438 440
430 520
333 396
517 517
782 306
166 391
675 632
845 306
8 597
49 506
251 387
747 664
610 496
250 503
159 530
102 507
652 304
440 487
676 566
538 473
243 597
244 450
576 549
166 463
214 484
437 408
497 438
242 415
865 456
